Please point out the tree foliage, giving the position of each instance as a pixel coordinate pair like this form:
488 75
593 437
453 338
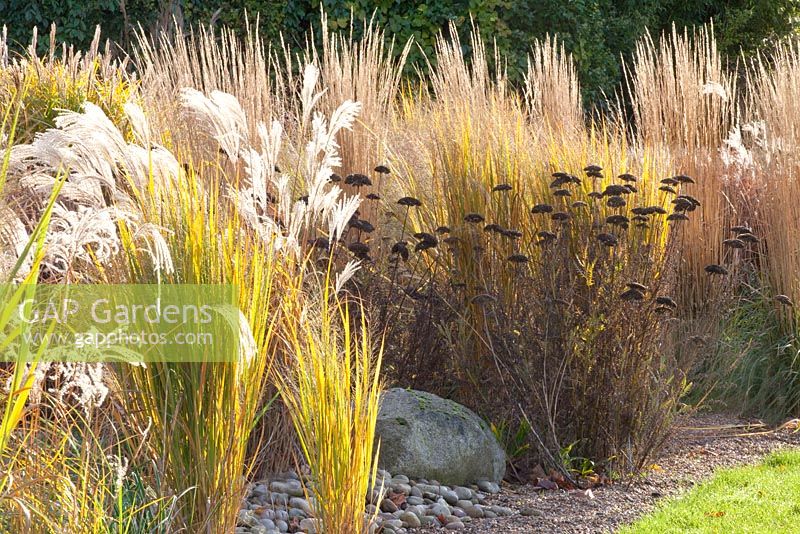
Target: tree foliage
599 33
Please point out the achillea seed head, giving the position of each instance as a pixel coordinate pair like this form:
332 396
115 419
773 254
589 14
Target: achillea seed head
682 204
511 234
734 243
741 229
401 249
609 240
627 177
632 295
442 230
667 189
592 168
595 194
682 178
559 181
617 220
426 237
335 178
636 285
594 174
748 238
580 204
357 180
616 190
616 202
664 300
560 216
669 181
374 196
473 218
545 235
409 202
502 187
493 228
359 249
542 208
632 188
678 217
363 225
640 218
382 169
518 258
663 309
716 269
562 193
657 209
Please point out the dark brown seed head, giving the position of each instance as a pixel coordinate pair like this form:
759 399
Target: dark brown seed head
592 168
359 249
595 194
678 217
690 198
544 234
617 220
442 230
409 202
559 181
663 309
425 236
716 269
493 228
669 181
748 238
502 187
594 174
734 243
335 178
320 242
682 178
741 229
666 301
518 258
627 177
473 218
560 216
616 202
303 199
512 234
425 245
562 193
580 204
637 286
542 208
783 299
657 209
667 189
640 218
640 211
357 180
401 249
632 188
374 196
363 225
608 240
632 295
574 179
382 169
616 190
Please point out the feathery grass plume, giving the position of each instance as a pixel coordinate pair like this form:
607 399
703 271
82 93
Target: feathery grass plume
332 392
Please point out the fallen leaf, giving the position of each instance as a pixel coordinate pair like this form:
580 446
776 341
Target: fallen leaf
715 514
792 424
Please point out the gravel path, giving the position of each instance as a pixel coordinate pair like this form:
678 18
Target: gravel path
699 444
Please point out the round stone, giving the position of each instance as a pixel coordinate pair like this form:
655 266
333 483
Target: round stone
410 520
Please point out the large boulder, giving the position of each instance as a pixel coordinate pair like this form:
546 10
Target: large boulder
425 436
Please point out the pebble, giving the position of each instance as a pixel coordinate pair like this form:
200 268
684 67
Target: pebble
530 511
271 507
488 486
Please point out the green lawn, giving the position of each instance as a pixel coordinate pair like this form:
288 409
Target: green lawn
763 498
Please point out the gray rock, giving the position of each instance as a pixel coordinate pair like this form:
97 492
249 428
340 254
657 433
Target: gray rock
283 526
301 504
458 512
400 487
488 486
488 514
291 487
463 504
268 524
530 511
388 506
309 525
410 519
414 500
450 496
247 518
394 523
416 492
455 525
280 499
438 509
474 511
294 512
463 493
425 436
